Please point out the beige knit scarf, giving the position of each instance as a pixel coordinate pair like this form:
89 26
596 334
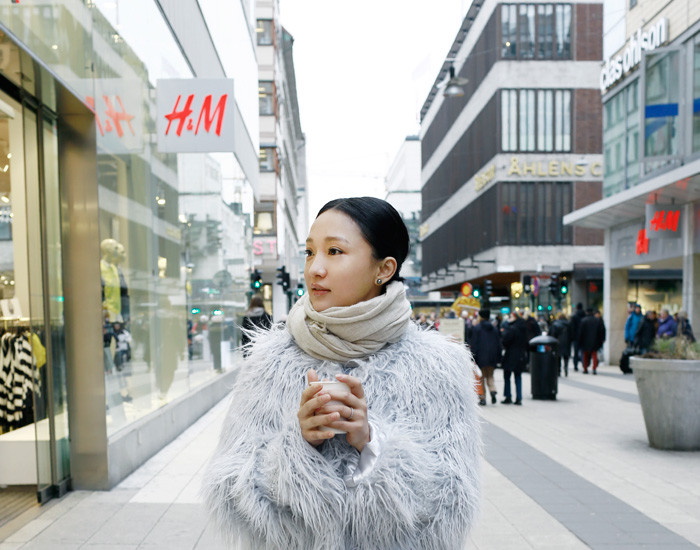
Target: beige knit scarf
344 333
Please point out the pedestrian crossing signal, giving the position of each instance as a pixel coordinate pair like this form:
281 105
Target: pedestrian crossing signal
476 293
300 290
564 289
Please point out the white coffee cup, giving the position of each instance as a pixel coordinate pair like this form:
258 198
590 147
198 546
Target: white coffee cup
337 387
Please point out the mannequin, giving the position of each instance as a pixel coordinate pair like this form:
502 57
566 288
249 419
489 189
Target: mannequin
111 284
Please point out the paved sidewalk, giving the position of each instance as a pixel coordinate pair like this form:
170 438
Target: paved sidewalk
566 474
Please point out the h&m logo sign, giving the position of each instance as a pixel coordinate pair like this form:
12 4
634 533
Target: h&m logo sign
195 115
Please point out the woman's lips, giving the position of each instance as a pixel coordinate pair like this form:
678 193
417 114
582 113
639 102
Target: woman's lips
319 291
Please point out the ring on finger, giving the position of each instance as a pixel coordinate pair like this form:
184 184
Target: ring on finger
352 413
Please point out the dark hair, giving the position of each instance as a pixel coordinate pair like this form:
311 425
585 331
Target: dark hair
256 301
380 224
484 313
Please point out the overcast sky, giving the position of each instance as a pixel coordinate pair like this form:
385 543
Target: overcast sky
363 70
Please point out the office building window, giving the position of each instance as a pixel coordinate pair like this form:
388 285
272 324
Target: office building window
509 22
696 97
536 120
532 212
536 31
266 95
265 31
662 91
563 35
621 140
268 159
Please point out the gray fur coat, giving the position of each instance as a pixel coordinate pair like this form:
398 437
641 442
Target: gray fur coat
267 488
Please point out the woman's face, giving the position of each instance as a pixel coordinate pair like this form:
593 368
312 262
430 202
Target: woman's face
340 268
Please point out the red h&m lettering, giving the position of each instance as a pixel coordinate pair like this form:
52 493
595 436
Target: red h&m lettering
117 117
642 242
185 120
181 115
206 110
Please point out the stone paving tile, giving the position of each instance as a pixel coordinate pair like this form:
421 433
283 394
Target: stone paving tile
210 540
130 524
78 524
180 528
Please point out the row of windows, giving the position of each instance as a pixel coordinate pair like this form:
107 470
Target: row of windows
265 32
536 120
509 213
267 97
536 31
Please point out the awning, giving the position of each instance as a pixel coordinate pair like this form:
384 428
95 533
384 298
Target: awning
679 185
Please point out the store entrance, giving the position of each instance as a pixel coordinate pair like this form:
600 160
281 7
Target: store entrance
34 450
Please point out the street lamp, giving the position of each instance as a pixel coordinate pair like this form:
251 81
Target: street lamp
454 85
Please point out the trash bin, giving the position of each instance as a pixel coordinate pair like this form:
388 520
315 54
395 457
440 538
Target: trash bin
544 367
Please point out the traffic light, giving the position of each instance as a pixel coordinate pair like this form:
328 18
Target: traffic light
283 278
476 292
564 287
554 284
488 288
527 284
300 290
256 280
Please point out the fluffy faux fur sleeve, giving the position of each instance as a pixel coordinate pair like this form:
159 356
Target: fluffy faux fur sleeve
267 486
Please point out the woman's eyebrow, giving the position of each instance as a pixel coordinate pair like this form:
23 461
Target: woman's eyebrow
330 238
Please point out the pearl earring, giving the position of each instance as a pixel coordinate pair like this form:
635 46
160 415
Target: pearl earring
379 282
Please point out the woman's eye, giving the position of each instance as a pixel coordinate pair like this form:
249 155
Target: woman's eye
307 253
334 251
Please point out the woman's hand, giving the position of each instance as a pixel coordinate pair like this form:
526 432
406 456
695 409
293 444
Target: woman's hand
309 421
352 410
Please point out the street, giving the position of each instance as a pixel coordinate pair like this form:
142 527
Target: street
572 473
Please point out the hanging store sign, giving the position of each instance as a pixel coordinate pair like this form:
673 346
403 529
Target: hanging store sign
616 67
195 115
663 221
631 243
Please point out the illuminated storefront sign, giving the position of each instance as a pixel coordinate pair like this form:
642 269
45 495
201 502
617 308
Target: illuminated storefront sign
633 242
265 246
663 221
553 168
195 115
616 67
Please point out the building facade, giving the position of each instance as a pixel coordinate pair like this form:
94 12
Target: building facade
650 85
281 210
503 163
125 227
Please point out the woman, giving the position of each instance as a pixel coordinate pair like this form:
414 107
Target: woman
515 346
407 472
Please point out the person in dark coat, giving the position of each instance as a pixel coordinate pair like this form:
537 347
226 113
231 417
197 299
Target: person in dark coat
576 319
256 317
646 333
561 330
590 339
515 346
684 329
486 349
667 325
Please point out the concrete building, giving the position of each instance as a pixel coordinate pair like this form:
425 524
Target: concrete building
505 161
281 202
650 85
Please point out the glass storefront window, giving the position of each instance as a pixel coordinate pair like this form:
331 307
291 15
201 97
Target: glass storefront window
662 89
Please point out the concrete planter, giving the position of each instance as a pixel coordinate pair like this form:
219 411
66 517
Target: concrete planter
669 391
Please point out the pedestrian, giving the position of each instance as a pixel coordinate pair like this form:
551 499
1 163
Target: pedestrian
684 329
255 318
406 471
576 319
532 326
590 339
646 333
486 348
667 325
515 357
561 330
632 324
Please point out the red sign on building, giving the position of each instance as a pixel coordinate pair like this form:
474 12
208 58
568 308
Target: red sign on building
195 115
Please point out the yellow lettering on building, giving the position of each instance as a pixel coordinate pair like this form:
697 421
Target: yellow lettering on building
514 167
597 169
580 170
530 168
480 180
567 168
553 168
540 170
